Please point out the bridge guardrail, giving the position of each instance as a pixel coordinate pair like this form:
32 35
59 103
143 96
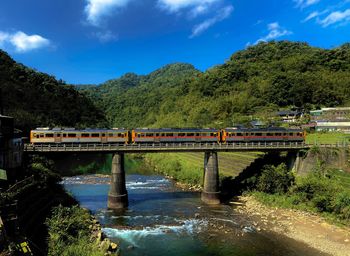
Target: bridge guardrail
150 147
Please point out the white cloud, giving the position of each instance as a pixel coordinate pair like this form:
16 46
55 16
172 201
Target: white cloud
95 9
336 17
221 15
3 37
23 42
311 16
306 3
275 31
106 36
176 5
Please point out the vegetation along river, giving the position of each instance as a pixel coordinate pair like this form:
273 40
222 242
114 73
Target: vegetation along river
162 219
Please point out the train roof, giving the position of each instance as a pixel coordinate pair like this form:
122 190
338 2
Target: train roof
159 130
79 130
270 129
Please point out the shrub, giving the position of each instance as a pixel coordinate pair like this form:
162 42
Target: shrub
341 205
323 203
275 179
68 229
314 185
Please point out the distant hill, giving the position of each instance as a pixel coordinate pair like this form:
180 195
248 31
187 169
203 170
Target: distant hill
254 82
134 100
37 99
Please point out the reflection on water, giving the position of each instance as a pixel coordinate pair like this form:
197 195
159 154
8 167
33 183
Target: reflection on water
163 220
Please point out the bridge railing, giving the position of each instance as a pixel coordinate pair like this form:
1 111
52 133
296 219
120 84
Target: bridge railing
105 147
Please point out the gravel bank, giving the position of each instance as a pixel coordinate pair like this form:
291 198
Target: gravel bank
301 226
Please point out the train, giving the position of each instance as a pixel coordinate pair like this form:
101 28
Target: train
165 135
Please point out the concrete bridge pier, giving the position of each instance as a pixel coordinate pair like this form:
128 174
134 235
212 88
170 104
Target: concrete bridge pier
211 193
294 160
118 196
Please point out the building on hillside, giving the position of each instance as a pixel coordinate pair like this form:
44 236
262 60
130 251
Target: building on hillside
290 116
11 148
331 114
257 124
333 126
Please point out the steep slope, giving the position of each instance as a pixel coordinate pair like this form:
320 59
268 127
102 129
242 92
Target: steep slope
37 99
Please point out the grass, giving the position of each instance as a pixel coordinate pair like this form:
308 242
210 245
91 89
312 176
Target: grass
188 167
327 138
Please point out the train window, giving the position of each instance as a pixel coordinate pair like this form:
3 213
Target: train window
198 134
64 135
122 135
258 134
41 135
37 136
291 134
84 135
110 134
181 134
284 134
95 135
269 134
138 135
103 135
170 134
49 135
278 134
72 135
190 134
239 134
58 135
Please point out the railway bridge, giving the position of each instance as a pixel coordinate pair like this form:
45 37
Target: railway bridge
118 196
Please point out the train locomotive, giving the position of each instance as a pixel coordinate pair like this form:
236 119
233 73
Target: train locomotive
165 135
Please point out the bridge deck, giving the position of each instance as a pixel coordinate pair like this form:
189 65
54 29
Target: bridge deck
170 147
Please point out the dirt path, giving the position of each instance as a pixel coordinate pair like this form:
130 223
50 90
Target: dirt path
301 226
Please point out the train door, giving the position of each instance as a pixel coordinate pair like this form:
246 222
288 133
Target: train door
156 137
58 138
103 137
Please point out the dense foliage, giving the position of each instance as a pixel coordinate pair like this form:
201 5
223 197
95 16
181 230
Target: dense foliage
133 101
37 99
70 234
254 82
315 192
275 179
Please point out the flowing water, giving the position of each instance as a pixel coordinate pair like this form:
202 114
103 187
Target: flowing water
164 220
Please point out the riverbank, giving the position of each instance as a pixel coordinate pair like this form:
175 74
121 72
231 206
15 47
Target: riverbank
305 227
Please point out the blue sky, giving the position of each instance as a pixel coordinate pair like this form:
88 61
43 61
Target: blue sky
91 41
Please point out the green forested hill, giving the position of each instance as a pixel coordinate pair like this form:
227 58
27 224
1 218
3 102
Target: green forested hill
133 101
37 99
254 82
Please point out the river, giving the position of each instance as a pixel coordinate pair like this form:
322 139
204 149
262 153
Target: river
164 220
